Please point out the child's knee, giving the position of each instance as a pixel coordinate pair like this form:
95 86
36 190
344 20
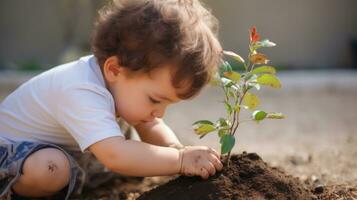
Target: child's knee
45 172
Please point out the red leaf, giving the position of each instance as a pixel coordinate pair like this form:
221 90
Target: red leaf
254 36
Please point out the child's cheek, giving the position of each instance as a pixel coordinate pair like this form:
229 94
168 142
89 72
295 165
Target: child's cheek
136 110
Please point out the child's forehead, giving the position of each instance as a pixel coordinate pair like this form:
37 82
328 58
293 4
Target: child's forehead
163 71
164 74
162 77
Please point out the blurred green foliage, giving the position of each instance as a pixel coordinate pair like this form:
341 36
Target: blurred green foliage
29 65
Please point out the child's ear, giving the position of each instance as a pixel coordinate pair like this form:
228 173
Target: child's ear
112 69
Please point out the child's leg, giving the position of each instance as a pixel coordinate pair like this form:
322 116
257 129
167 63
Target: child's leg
45 172
38 169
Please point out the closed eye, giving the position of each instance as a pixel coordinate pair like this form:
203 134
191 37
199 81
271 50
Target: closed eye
154 101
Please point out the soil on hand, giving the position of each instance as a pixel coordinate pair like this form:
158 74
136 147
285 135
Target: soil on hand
247 177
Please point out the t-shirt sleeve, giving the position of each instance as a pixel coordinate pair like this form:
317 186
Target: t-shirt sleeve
87 112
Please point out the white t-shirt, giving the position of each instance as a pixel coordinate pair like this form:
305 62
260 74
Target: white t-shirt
68 105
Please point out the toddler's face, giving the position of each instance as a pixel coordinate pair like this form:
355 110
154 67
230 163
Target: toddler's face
141 97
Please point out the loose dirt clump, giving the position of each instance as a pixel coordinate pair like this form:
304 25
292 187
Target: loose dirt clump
247 177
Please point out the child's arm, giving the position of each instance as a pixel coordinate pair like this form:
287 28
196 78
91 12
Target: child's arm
158 133
134 158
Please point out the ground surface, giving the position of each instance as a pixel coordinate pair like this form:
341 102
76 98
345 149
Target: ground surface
317 142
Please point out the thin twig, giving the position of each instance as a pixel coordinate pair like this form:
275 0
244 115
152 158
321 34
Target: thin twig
240 103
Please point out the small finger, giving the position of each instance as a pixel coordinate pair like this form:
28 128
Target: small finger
189 174
204 173
215 153
217 163
211 169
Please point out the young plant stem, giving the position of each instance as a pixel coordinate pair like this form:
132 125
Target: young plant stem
226 100
234 116
228 158
240 103
235 122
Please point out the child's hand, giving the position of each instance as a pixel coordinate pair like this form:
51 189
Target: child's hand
199 161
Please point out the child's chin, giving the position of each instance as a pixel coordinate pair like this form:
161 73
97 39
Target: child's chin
139 122
134 123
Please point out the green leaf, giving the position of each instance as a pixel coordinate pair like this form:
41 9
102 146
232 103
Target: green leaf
259 115
227 143
252 82
251 100
269 80
250 77
245 74
228 108
249 87
232 94
275 116
203 129
235 56
225 67
228 66
253 85
203 122
234 76
264 69
265 43
226 82
222 122
237 108
222 132
229 84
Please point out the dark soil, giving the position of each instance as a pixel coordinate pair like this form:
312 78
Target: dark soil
247 177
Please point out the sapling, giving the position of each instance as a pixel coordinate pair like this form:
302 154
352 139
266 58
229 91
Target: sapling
238 95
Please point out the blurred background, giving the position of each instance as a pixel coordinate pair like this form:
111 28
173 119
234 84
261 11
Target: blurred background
316 55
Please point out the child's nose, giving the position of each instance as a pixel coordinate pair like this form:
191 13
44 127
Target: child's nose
159 113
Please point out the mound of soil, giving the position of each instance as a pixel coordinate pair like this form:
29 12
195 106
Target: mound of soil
247 177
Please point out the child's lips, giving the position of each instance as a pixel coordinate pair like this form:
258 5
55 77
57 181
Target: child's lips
146 121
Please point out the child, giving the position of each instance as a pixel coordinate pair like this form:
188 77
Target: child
148 54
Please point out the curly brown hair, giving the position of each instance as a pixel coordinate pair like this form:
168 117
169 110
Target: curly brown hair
145 34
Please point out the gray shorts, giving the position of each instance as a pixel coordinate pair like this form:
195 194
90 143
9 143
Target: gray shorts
85 169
